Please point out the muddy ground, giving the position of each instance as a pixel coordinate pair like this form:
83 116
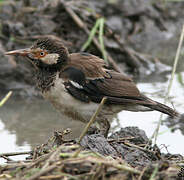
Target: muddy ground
139 36
126 154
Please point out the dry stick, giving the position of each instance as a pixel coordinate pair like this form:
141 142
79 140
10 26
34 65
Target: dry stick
140 148
120 139
52 157
58 176
39 160
134 60
7 158
102 160
113 163
142 173
171 81
80 23
15 153
43 171
93 118
25 162
89 124
98 172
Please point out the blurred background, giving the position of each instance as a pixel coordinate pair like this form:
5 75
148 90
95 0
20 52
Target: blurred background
141 37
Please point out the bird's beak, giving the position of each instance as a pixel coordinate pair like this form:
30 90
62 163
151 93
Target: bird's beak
20 52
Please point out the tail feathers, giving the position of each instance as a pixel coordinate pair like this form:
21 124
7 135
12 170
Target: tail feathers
164 109
154 105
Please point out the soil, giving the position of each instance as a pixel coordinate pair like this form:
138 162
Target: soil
126 154
133 30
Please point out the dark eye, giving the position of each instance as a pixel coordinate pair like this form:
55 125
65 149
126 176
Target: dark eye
42 53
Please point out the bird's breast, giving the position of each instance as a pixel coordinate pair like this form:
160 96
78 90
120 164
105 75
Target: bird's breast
67 104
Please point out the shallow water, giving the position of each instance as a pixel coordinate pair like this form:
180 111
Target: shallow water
27 123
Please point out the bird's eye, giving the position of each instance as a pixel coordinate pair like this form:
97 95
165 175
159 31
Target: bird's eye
42 53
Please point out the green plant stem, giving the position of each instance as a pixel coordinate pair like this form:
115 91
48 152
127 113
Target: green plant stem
91 35
153 175
101 39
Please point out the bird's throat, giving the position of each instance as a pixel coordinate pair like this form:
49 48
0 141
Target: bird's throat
45 79
46 74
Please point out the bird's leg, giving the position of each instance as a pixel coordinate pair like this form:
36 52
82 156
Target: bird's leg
103 125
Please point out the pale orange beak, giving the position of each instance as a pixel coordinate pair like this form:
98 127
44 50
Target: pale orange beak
20 52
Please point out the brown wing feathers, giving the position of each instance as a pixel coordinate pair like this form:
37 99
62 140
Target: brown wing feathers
95 82
90 65
118 86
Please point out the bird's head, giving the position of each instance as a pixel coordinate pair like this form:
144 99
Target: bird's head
44 54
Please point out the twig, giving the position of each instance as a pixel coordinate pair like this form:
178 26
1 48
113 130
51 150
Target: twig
15 153
170 81
98 172
115 164
7 158
130 52
58 176
8 2
38 161
5 98
140 148
77 152
20 161
104 161
80 23
120 139
44 171
52 157
142 173
92 120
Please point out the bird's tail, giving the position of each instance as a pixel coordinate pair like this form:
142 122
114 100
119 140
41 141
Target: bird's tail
162 108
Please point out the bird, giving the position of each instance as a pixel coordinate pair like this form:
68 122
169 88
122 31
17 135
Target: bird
75 83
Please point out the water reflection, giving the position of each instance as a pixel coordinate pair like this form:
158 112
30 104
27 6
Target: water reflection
34 121
8 144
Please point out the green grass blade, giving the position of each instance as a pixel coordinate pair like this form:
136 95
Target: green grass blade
153 175
5 98
91 35
101 39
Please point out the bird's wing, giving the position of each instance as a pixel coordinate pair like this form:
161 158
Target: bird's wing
92 66
87 79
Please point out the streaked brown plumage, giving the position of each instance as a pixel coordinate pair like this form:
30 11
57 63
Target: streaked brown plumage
75 83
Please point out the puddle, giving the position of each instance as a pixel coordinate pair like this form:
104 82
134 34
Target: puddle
24 124
148 120
27 123
8 144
